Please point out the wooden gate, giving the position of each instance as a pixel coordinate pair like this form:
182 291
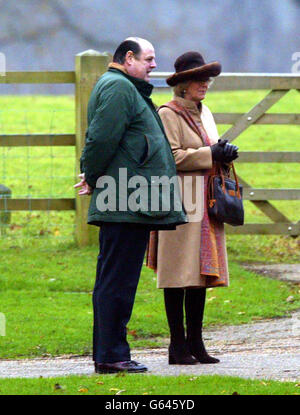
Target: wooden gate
90 65
278 86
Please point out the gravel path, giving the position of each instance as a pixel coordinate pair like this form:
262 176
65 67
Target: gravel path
267 349
283 272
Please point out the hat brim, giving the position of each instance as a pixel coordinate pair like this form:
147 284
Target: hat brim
208 70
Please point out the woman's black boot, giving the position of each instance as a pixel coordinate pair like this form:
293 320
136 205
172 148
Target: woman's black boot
178 351
194 310
180 355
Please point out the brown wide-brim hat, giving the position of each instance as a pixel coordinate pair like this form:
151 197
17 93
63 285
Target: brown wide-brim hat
191 67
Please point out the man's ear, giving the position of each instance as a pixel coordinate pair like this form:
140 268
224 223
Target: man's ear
129 57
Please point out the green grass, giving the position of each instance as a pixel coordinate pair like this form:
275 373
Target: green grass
46 282
46 299
144 384
261 248
49 171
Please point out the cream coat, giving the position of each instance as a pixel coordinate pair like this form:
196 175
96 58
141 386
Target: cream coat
178 259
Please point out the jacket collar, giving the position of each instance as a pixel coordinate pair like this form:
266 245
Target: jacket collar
142 86
118 66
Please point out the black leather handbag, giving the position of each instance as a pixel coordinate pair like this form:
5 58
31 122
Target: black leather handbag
225 196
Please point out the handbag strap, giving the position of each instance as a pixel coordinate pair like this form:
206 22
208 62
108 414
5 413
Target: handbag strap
218 171
236 181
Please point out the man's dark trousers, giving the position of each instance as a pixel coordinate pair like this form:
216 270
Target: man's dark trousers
122 250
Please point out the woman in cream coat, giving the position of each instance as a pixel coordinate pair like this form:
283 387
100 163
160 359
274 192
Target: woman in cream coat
193 257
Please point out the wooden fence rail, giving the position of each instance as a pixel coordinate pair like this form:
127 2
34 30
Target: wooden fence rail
90 65
31 140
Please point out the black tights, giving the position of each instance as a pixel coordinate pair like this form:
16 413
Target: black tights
193 300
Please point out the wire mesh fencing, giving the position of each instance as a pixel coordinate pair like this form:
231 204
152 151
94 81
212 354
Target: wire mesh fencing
31 172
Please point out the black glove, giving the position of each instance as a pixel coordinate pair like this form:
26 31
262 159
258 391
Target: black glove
224 152
217 150
230 152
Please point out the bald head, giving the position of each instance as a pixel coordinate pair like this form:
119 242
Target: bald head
143 43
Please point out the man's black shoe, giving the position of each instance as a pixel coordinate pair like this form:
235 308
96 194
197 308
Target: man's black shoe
129 366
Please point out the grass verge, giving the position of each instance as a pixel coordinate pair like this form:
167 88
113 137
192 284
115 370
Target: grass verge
50 171
46 282
46 297
144 384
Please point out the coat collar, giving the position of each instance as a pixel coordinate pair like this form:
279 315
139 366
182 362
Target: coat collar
189 105
142 86
118 66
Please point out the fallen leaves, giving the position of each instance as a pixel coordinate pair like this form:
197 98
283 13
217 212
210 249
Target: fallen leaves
83 389
120 391
14 227
117 390
133 333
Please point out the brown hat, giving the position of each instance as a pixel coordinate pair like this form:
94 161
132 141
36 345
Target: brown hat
191 66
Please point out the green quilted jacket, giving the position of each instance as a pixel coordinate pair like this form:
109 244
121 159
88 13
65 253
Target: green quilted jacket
127 159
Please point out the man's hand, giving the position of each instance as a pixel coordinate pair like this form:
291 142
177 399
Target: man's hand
86 189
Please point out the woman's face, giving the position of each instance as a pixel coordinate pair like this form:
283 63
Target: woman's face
196 90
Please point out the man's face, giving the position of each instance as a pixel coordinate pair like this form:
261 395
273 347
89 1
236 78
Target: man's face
140 66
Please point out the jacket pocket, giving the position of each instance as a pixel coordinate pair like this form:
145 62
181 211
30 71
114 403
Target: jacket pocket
146 155
137 156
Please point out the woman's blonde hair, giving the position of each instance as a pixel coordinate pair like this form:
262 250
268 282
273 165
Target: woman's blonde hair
180 89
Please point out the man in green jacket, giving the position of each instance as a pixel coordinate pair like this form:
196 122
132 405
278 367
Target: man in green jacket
128 168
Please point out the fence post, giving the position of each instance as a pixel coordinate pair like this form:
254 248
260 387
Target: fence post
89 66
5 216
